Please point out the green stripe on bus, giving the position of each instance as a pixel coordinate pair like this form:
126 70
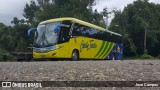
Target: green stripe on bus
104 49
110 48
100 49
109 44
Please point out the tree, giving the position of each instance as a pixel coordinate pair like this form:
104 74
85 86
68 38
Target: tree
138 21
15 21
30 12
6 39
48 9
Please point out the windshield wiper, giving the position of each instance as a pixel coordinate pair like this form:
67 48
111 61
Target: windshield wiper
42 39
45 39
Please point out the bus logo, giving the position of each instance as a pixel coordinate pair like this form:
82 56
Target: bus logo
6 84
87 45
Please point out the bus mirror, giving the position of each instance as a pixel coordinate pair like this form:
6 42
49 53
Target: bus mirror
59 25
30 30
56 28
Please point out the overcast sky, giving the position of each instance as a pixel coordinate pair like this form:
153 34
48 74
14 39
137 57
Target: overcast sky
14 8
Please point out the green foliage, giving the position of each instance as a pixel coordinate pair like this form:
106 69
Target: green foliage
4 55
13 38
158 57
15 21
146 56
30 13
133 21
6 39
49 9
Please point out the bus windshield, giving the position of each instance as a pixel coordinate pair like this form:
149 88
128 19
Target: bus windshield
45 35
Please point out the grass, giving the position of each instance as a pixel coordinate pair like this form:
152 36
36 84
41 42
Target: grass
142 57
146 56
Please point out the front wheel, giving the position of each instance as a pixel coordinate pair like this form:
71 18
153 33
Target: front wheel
75 55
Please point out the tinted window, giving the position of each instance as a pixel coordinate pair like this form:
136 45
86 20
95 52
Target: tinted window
81 30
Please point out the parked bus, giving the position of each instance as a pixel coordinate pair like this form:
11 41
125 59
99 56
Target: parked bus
75 39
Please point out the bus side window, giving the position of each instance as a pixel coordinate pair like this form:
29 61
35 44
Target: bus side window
77 30
81 30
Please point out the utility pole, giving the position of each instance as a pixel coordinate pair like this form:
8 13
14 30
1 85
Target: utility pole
145 37
145 34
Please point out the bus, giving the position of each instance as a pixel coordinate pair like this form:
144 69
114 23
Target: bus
74 39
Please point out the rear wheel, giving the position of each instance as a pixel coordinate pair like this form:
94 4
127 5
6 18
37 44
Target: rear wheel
75 55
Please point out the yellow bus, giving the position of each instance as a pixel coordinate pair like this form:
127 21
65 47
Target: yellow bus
75 39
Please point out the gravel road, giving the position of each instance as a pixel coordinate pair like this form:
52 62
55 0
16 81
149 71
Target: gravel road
127 70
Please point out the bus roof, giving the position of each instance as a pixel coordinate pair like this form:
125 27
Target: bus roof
80 22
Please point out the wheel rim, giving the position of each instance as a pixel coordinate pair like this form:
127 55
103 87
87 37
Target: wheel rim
74 56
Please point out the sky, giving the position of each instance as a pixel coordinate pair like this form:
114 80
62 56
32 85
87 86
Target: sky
14 8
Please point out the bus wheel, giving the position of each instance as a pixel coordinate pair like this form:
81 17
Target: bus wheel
75 55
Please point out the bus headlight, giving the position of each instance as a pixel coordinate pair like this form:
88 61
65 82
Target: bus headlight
56 47
46 49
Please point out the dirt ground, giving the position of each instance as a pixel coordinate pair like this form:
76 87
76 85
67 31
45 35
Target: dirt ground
86 70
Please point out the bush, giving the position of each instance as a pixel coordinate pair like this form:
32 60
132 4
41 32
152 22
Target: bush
146 56
158 57
4 55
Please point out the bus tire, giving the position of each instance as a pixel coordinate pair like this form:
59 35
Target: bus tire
75 55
